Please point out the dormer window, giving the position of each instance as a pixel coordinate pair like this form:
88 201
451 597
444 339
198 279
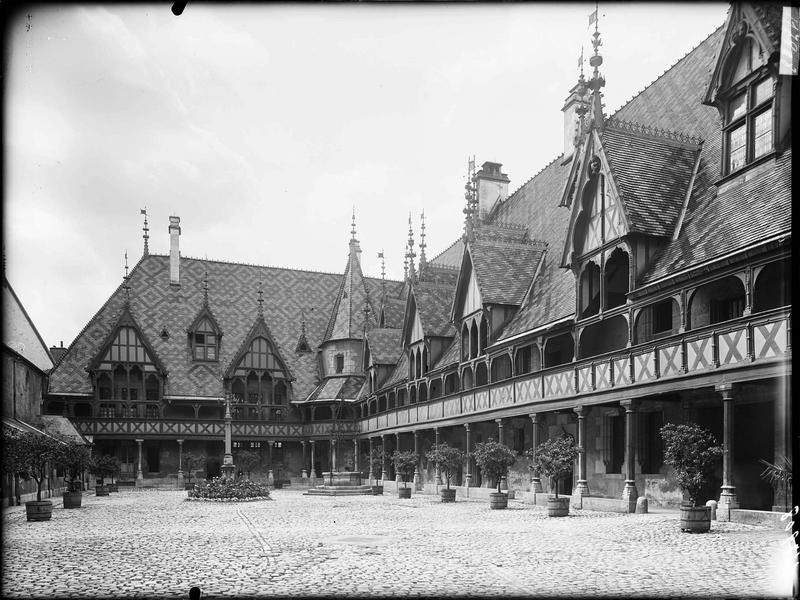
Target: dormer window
205 340
748 114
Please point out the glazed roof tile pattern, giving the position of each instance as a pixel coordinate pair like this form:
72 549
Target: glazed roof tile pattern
537 204
384 345
742 215
400 373
393 312
652 176
433 306
504 269
348 319
451 256
334 389
449 356
155 304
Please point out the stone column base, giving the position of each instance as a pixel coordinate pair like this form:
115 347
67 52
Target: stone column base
581 490
304 474
503 483
630 494
536 486
727 502
180 480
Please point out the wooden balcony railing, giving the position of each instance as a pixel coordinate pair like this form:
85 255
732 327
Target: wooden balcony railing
745 341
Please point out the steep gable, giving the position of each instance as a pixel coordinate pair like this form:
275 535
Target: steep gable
19 332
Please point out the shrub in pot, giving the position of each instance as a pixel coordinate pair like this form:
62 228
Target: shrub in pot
192 461
104 466
75 458
247 461
494 459
448 460
32 455
693 453
554 458
404 463
779 475
376 466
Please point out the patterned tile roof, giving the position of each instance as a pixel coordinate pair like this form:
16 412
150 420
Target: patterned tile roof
754 210
400 373
451 256
348 317
232 298
504 269
384 345
393 311
449 356
433 306
652 174
19 332
335 388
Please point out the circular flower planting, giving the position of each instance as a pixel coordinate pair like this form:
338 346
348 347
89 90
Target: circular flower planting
222 489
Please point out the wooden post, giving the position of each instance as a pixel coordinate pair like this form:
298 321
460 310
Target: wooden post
582 487
727 496
629 492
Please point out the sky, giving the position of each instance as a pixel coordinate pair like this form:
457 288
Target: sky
263 127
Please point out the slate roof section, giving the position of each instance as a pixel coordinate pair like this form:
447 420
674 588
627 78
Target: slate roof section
742 215
504 269
652 174
19 332
335 389
449 356
394 310
400 373
348 319
384 345
60 426
450 256
233 299
434 302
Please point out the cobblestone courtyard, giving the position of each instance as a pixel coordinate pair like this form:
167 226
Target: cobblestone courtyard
155 544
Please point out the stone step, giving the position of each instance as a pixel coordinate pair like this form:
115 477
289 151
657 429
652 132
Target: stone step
337 491
343 487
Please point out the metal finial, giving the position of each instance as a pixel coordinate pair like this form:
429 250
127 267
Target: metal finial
260 299
146 230
422 245
205 287
353 228
410 252
126 278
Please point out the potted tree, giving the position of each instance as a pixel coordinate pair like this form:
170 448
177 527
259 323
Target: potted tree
32 455
778 474
693 453
404 464
102 467
554 458
494 459
376 463
448 460
75 458
112 470
192 461
246 461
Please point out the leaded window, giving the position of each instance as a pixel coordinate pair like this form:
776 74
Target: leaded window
205 341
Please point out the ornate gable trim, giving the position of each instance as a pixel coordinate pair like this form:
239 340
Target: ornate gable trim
126 319
205 312
466 273
743 22
594 162
259 329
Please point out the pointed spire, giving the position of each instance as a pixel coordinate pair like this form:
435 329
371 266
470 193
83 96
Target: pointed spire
423 261
353 228
410 252
260 299
205 288
146 230
126 286
597 81
471 195
383 273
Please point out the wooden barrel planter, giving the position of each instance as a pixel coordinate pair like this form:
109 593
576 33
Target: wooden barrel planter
39 510
557 507
377 490
101 490
72 499
448 495
404 492
695 519
497 501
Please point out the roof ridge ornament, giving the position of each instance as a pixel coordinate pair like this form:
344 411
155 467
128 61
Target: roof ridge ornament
126 286
423 261
471 195
260 299
597 81
205 288
642 129
146 231
410 254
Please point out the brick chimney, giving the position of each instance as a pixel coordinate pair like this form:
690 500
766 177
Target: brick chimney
174 250
492 185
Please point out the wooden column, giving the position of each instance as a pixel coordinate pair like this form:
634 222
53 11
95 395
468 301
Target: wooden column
536 482
504 478
371 474
416 465
180 464
629 492
468 476
397 478
304 473
438 470
727 496
139 476
383 458
312 473
582 487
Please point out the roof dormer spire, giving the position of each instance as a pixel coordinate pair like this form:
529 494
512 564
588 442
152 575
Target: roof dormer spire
423 261
471 195
597 81
410 254
146 231
126 286
260 299
205 288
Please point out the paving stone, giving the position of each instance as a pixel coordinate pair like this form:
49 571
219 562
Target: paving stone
134 544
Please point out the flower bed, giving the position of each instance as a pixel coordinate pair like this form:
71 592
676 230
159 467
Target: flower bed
222 489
